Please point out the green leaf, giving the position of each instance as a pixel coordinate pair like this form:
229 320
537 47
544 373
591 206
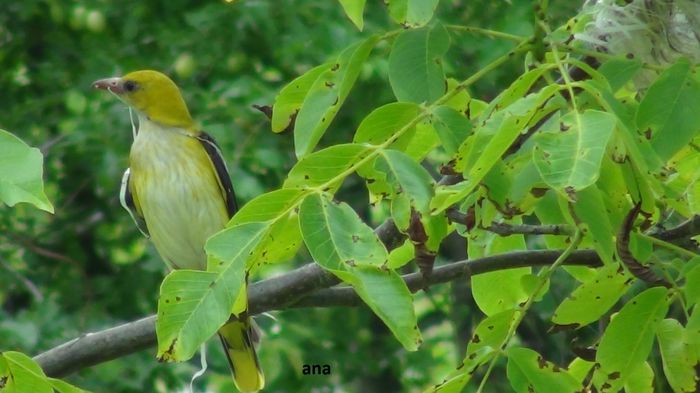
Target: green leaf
415 64
592 299
282 237
500 290
572 157
21 169
679 358
401 255
322 167
336 237
268 206
24 374
458 379
385 292
408 177
627 341
327 94
483 150
64 387
340 242
291 97
591 210
641 380
194 304
691 289
452 127
619 71
412 13
491 332
529 372
692 330
669 110
383 122
353 9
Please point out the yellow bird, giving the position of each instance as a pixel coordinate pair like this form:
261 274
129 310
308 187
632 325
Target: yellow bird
178 191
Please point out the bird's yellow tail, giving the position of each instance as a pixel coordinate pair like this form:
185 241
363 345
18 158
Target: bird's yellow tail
238 338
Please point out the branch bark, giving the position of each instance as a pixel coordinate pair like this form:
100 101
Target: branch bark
296 289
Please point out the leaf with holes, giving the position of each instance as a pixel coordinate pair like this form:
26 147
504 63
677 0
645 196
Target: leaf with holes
327 94
415 64
667 113
627 341
282 237
336 237
327 167
193 304
22 374
571 158
385 292
529 372
458 379
291 97
592 299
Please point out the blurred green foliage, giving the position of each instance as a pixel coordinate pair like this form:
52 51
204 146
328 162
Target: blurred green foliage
87 267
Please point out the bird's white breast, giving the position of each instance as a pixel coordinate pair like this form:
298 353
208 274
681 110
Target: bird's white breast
175 184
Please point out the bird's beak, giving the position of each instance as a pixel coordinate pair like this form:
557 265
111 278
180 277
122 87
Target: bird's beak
114 85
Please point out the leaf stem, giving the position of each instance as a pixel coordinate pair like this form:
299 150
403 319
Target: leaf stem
670 246
543 278
487 32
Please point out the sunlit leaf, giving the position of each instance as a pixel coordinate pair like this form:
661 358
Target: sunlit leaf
385 292
291 97
499 290
341 243
529 372
24 374
353 9
322 167
336 237
592 299
679 358
282 237
327 94
193 304
572 157
21 170
458 379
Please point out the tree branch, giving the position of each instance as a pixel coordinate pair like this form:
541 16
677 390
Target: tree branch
285 291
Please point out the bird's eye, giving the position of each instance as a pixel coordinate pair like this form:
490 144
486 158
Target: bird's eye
129 86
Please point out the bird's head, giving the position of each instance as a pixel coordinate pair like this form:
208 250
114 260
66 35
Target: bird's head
152 94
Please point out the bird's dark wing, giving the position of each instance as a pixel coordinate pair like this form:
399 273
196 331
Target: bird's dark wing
130 203
222 175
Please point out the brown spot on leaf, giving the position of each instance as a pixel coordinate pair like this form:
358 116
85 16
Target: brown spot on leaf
355 238
476 339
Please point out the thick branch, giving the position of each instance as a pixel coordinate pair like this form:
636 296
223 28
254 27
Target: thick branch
274 294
